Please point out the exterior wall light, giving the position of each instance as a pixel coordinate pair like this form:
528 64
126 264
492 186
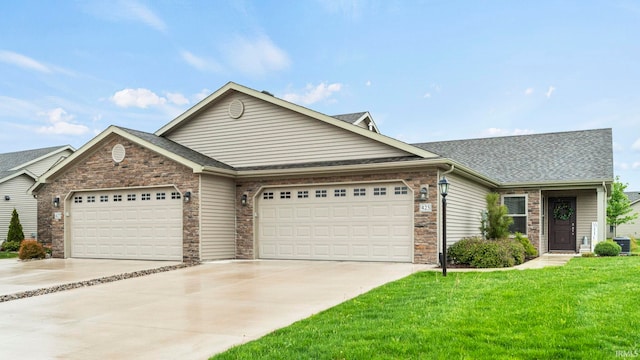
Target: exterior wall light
243 200
56 201
187 196
424 193
443 184
7 197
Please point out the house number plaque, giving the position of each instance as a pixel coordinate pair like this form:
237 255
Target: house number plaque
425 207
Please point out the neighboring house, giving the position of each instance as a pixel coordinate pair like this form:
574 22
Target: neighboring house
18 172
246 175
631 229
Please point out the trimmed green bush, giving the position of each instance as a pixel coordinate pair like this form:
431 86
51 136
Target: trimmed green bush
15 228
31 249
607 248
529 250
11 246
588 254
480 253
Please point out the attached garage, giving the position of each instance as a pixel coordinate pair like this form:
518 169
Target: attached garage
133 223
362 222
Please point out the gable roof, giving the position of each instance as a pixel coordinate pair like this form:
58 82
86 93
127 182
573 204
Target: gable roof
571 156
14 163
357 118
230 86
634 196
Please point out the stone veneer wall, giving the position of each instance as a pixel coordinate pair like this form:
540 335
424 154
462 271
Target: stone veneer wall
534 203
425 224
97 170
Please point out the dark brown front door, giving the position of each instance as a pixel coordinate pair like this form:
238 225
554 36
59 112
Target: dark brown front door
562 224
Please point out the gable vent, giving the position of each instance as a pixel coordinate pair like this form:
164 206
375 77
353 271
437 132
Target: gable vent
117 153
236 108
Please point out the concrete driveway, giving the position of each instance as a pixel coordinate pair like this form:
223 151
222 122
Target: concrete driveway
189 313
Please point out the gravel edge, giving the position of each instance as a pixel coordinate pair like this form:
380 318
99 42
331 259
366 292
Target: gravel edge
92 282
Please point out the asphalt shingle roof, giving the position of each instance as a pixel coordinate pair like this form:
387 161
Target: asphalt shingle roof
13 159
633 195
551 157
178 149
350 118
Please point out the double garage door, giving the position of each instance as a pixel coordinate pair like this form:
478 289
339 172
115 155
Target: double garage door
365 222
127 224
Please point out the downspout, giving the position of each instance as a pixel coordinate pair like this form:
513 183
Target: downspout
449 171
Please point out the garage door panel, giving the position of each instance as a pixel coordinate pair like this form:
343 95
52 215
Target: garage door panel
132 228
369 222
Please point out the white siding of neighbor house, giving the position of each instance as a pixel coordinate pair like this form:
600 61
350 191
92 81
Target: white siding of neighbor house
25 204
45 164
465 203
267 134
586 213
217 218
631 229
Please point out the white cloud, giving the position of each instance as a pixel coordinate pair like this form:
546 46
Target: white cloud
368 83
200 63
23 61
550 91
139 97
426 95
636 145
61 123
256 56
201 95
177 98
528 91
129 10
313 94
635 165
505 132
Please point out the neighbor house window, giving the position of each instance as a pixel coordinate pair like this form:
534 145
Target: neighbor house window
517 210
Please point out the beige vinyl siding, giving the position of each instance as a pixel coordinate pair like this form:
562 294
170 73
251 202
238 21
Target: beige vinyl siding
631 230
268 135
45 164
465 202
25 204
217 218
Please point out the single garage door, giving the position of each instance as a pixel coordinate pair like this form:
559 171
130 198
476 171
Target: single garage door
365 222
127 224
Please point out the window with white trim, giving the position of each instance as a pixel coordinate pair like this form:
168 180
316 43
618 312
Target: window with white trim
401 190
517 210
285 194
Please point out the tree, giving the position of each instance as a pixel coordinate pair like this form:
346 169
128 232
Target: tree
495 222
15 228
619 206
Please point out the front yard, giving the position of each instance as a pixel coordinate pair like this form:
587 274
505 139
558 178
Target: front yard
585 309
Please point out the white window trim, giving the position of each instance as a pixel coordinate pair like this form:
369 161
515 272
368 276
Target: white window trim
526 209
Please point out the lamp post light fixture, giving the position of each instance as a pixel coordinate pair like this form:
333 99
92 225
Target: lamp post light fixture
443 184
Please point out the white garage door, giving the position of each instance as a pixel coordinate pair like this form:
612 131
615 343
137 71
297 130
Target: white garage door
367 222
127 224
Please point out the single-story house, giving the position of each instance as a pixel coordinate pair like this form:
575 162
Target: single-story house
18 172
631 229
246 175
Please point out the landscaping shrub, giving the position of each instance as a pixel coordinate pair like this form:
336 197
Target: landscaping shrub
480 253
15 228
463 251
607 248
11 246
31 249
588 254
529 250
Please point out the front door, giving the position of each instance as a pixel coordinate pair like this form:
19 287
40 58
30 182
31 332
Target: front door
562 224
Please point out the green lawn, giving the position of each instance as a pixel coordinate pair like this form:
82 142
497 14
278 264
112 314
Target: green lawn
587 309
8 255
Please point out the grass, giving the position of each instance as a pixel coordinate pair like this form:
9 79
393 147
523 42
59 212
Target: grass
585 309
8 255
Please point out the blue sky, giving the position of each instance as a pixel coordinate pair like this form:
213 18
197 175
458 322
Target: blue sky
425 70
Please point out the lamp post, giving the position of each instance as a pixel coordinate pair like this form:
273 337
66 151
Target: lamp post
443 184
